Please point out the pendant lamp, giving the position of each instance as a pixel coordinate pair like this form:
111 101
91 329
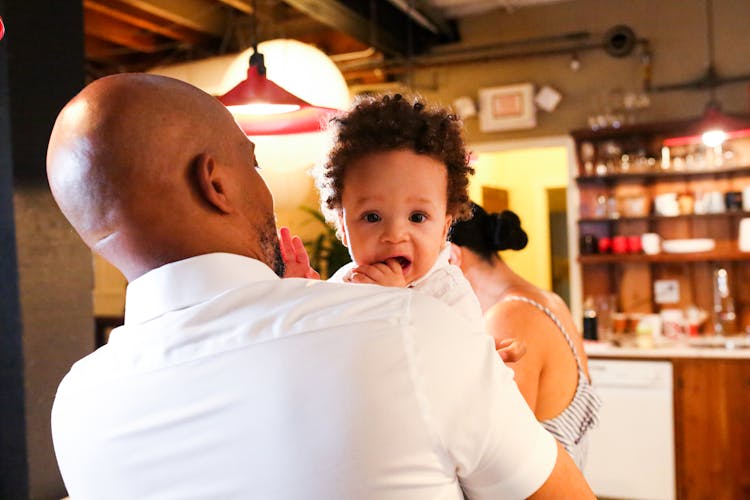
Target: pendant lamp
262 107
716 127
2 29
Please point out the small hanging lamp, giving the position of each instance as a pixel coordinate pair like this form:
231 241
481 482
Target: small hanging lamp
2 29
715 126
262 107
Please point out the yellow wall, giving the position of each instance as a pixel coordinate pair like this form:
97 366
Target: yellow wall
526 174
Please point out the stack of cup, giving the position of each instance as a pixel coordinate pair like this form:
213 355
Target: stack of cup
651 243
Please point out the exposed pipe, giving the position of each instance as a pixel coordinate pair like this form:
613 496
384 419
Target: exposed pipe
566 37
410 11
710 79
480 54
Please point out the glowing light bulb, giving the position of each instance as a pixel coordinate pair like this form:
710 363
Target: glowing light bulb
713 138
262 109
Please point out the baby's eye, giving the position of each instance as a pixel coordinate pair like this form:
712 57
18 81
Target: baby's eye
418 218
371 217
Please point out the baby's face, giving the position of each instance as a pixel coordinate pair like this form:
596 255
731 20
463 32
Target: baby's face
394 207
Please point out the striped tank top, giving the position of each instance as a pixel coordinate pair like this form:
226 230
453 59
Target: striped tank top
570 426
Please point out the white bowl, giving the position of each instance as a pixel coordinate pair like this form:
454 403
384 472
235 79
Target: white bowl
688 245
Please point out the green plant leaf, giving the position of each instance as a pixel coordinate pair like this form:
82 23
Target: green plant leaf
327 253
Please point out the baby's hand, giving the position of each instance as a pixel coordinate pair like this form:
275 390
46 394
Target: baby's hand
295 256
388 273
510 350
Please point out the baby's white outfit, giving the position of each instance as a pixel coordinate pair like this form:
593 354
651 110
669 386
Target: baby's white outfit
444 281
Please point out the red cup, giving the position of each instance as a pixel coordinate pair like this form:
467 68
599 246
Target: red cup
605 245
634 244
619 244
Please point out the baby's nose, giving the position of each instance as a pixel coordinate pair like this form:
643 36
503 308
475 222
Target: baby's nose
395 232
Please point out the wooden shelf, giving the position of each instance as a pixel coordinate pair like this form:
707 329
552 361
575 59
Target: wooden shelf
733 213
667 128
719 254
630 277
663 175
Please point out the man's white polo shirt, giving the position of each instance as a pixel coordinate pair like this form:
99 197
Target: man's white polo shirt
227 382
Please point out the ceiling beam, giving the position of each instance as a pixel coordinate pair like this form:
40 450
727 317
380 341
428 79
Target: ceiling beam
100 50
145 20
333 42
113 30
241 5
341 17
205 16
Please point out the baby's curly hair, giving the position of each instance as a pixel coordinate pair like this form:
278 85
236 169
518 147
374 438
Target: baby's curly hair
377 124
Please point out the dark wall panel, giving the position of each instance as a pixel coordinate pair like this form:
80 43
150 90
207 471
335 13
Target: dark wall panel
13 471
47 278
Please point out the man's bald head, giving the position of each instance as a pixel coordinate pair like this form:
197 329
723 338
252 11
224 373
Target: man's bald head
149 170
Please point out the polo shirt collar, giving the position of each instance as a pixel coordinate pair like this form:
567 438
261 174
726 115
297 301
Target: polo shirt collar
188 282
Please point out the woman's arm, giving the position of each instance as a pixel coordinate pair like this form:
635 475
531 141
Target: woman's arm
522 322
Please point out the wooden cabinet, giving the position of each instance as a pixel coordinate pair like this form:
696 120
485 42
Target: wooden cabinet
712 431
656 178
711 411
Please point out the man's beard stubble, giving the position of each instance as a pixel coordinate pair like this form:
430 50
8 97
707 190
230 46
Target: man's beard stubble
269 244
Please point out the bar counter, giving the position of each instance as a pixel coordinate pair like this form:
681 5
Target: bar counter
709 392
741 350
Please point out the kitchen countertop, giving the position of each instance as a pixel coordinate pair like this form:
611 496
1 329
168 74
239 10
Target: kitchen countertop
702 348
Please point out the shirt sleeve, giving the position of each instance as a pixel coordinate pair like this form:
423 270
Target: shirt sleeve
473 408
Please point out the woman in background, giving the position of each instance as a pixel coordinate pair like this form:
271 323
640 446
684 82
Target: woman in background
553 374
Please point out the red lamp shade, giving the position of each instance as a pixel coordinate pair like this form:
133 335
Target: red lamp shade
713 128
2 29
263 108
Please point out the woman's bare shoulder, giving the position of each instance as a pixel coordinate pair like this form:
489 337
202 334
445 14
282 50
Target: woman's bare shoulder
516 318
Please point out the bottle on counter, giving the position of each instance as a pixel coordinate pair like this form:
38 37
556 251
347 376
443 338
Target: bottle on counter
724 317
589 320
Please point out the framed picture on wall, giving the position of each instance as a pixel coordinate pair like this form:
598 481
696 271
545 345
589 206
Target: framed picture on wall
509 107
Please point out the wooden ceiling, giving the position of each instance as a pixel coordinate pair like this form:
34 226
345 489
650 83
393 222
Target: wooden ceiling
135 35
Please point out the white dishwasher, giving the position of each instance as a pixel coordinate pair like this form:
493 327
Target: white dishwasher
631 451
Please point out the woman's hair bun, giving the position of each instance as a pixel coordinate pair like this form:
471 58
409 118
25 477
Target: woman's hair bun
507 233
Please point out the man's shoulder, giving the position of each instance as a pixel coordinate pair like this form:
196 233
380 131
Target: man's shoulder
433 313
95 368
359 301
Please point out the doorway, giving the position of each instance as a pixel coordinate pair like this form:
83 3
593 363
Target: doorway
534 177
558 238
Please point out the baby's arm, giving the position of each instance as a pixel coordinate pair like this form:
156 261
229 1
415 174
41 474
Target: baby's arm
388 273
295 256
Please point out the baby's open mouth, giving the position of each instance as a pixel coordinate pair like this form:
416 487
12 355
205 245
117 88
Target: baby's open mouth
402 261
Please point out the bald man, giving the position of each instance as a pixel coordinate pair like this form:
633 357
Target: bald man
226 382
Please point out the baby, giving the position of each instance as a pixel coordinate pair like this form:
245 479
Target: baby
395 180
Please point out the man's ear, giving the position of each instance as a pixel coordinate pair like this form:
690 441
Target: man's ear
212 184
341 230
456 257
